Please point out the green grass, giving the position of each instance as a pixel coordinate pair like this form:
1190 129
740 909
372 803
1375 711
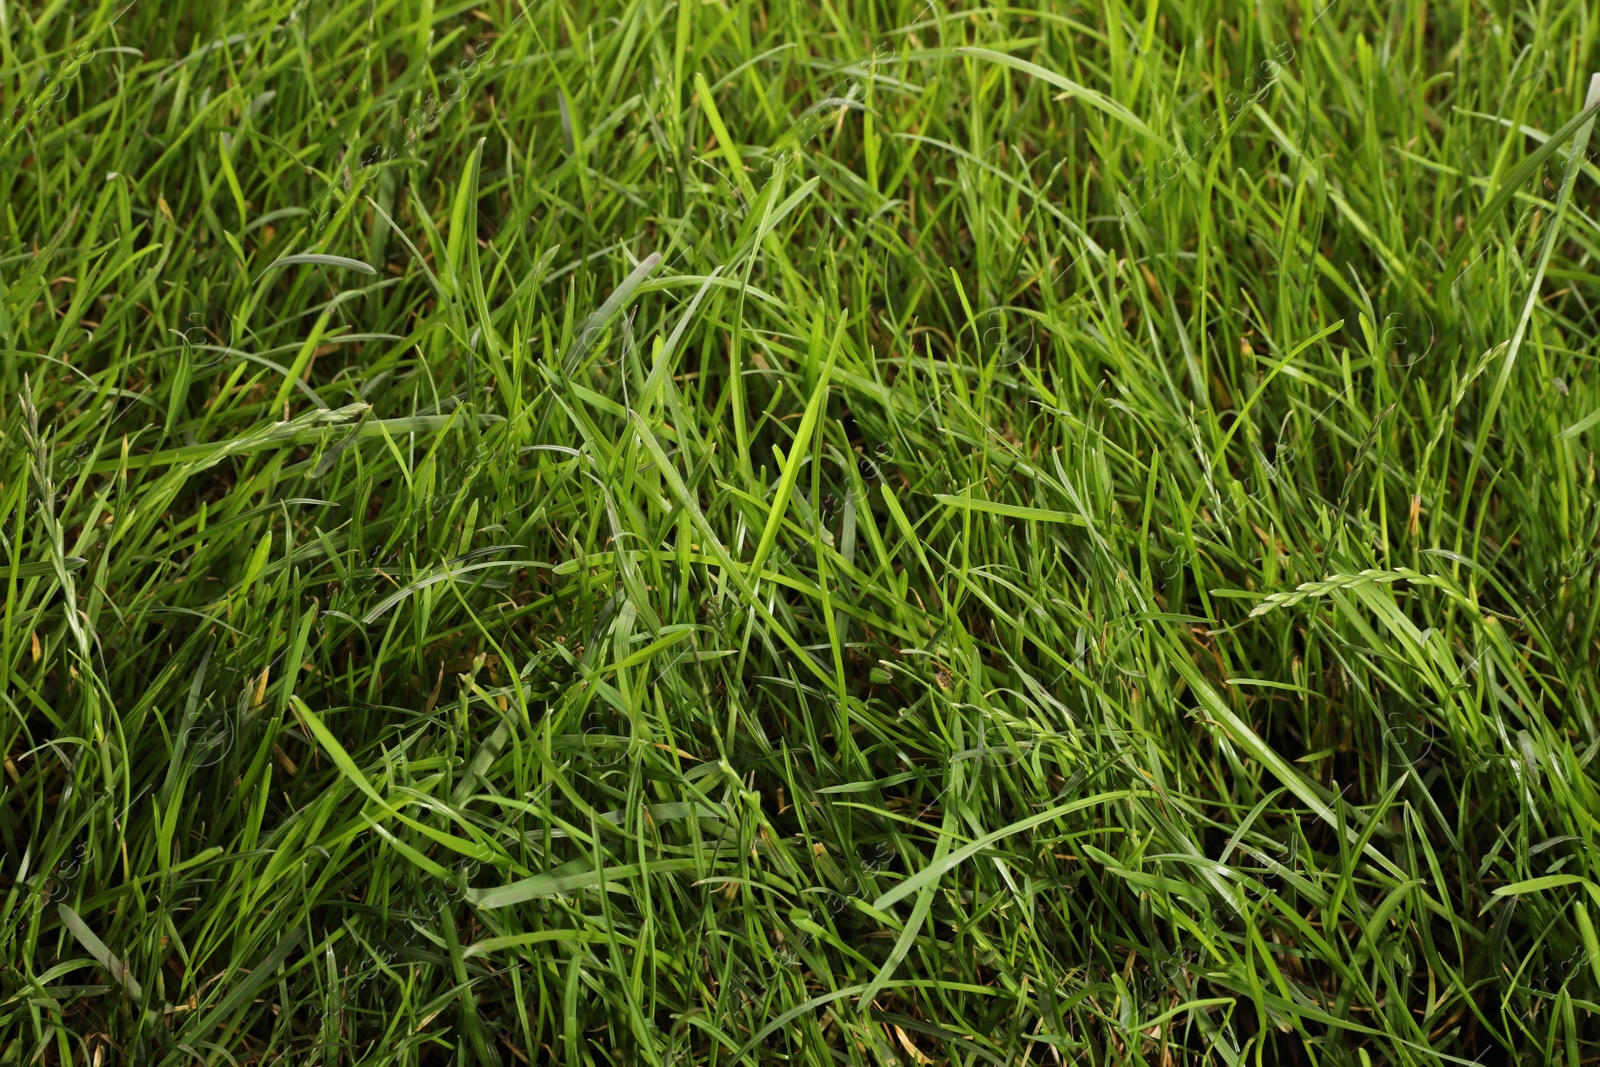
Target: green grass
806 533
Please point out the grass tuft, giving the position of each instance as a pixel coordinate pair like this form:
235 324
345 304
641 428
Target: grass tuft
807 533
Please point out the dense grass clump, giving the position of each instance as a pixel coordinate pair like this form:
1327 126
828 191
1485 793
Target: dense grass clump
811 532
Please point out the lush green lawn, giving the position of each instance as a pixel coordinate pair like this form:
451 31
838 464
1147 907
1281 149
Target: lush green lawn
665 533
